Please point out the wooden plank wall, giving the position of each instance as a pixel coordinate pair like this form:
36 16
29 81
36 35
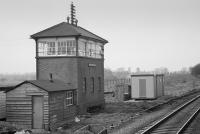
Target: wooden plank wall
159 86
58 113
2 105
19 105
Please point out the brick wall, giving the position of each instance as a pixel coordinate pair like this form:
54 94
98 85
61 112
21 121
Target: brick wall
74 70
88 68
64 69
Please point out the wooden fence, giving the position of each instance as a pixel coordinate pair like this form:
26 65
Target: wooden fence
109 85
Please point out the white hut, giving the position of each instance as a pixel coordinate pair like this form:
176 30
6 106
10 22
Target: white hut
147 86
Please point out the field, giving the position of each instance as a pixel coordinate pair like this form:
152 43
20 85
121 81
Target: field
176 84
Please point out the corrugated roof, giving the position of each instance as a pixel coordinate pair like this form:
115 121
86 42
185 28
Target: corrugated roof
49 86
65 29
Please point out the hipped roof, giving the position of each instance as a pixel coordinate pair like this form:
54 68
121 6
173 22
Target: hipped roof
65 29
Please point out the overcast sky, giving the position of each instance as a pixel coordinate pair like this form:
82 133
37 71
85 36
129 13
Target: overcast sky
142 33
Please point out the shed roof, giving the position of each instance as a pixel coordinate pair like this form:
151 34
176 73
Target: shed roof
47 85
65 29
6 88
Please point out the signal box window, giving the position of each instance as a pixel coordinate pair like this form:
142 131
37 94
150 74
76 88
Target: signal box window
51 48
71 48
62 48
57 48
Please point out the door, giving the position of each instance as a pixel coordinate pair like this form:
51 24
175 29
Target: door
38 112
142 88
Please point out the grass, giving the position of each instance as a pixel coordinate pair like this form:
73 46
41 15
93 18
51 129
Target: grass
177 84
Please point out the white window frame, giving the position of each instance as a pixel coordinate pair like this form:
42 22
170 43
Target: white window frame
69 100
71 48
92 49
56 47
62 48
51 48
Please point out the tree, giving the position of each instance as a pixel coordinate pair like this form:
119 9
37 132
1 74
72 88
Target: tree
121 73
195 70
184 70
161 70
137 70
108 74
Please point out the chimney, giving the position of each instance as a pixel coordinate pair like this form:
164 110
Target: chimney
68 19
76 22
51 77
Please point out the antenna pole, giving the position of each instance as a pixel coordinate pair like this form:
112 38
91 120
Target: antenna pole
73 12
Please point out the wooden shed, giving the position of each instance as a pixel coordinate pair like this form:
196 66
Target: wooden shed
147 86
3 89
2 105
41 104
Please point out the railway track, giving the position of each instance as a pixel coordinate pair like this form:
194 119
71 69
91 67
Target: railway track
177 121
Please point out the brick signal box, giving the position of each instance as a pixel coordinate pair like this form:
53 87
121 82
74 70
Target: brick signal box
74 55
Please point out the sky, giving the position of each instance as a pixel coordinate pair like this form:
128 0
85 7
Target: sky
142 33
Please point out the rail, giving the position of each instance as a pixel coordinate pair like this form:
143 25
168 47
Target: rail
184 127
158 123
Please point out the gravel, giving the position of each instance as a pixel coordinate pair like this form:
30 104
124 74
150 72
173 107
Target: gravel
148 117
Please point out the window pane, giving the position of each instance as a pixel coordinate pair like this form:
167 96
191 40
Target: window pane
41 48
93 50
51 48
81 48
98 51
69 98
61 48
64 48
87 49
71 48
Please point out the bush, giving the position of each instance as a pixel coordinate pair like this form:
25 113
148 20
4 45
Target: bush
195 70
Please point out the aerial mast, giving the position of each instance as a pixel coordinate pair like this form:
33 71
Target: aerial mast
73 14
